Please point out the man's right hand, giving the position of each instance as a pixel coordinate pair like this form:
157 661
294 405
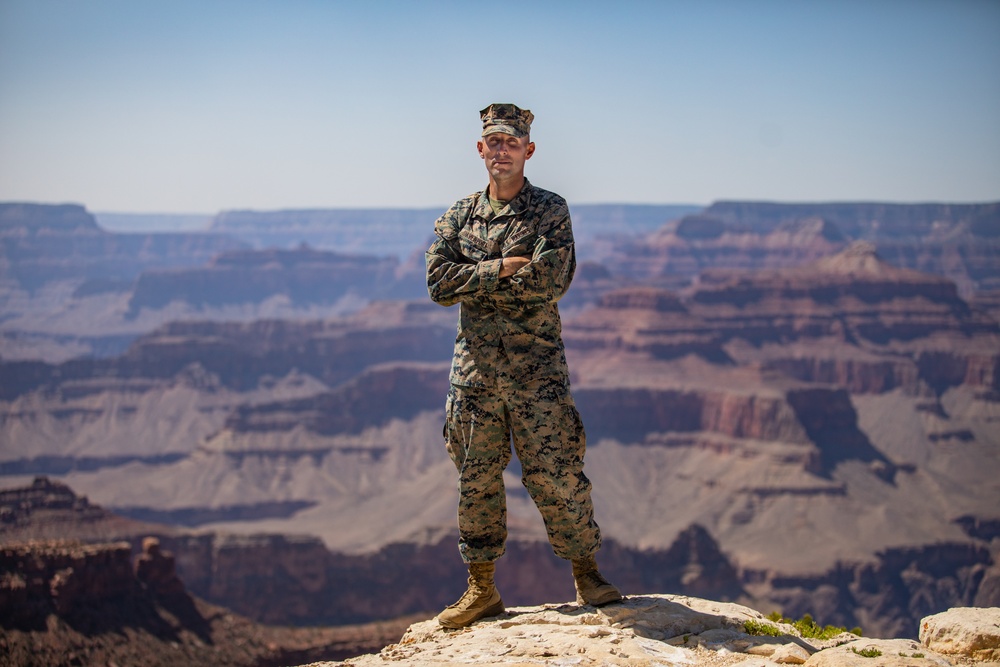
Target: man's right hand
510 265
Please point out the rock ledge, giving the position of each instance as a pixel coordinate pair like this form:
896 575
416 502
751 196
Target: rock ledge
642 631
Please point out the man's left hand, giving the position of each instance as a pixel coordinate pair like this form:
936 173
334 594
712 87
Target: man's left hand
511 265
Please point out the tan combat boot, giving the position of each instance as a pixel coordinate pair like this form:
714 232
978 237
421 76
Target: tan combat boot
591 587
482 599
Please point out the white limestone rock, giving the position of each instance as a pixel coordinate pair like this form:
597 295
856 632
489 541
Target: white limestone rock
641 631
878 653
790 654
973 632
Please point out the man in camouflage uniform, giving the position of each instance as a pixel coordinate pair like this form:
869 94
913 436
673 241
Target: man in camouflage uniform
506 255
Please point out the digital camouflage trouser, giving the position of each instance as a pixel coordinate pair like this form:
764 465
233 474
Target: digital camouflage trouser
541 420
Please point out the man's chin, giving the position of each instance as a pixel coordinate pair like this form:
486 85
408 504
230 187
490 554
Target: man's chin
504 171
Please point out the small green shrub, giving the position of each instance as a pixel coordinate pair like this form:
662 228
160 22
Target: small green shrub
870 652
808 628
752 627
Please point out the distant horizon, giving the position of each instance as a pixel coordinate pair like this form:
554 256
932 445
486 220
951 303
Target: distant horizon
443 207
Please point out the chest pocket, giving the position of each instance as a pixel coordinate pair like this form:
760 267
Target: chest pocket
477 248
520 242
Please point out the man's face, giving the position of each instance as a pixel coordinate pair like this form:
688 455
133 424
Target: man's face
505 155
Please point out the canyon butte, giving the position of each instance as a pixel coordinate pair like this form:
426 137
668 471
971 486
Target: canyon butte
789 407
74 603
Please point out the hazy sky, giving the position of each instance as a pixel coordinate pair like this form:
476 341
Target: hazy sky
176 106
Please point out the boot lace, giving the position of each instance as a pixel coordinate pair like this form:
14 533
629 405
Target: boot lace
471 594
594 578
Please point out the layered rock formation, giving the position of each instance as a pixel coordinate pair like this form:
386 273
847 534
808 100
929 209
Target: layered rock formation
808 361
817 439
48 510
276 578
70 285
303 276
64 603
867 220
279 579
63 279
42 244
960 242
24 219
394 232
881 327
156 404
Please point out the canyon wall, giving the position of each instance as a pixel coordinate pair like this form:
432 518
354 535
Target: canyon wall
284 579
816 434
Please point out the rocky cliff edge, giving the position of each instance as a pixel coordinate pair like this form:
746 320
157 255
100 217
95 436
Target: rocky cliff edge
662 630
67 603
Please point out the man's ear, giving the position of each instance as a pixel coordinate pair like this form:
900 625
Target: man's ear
531 150
479 147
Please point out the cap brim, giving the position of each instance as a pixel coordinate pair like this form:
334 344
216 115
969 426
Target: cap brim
505 129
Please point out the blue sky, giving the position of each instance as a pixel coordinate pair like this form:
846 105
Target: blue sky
178 106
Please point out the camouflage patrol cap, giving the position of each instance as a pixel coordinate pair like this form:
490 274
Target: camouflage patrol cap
506 118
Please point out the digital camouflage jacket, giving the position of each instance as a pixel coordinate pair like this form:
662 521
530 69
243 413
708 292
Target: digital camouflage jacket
509 327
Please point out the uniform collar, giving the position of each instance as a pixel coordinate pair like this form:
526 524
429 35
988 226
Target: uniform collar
515 206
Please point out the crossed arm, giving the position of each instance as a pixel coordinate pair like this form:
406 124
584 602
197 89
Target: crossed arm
544 277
